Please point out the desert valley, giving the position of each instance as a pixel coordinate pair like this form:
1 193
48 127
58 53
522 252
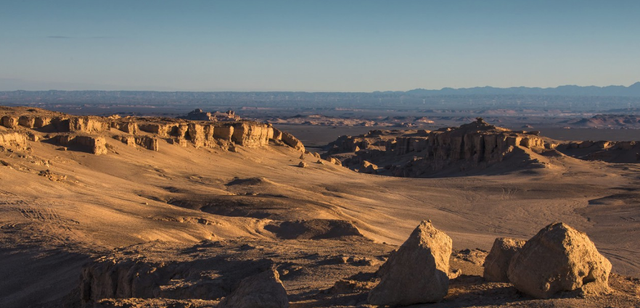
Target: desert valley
302 154
129 211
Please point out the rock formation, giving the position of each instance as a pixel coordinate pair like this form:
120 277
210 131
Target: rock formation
128 127
95 145
9 122
262 290
91 132
497 262
421 152
368 167
559 258
417 272
8 139
87 124
117 276
289 140
252 134
609 151
108 279
224 132
201 115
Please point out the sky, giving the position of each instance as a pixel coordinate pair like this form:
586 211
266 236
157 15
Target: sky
300 45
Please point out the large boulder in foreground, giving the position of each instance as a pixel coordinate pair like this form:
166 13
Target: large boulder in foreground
263 290
497 262
559 258
417 272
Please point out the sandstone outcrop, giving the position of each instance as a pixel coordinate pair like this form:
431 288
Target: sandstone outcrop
262 290
108 279
127 127
139 277
40 122
149 143
224 132
252 135
181 131
368 167
559 258
128 140
196 134
91 132
87 124
95 145
420 152
497 262
162 130
9 122
417 272
8 139
277 134
27 121
290 140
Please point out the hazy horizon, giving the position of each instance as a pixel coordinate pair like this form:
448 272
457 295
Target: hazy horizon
6 81
328 46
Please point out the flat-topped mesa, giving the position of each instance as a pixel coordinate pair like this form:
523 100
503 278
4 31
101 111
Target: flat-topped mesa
421 152
91 132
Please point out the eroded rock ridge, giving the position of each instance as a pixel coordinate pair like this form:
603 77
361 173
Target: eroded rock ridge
412 153
93 133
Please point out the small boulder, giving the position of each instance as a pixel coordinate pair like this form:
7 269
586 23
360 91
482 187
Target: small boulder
302 164
262 290
417 271
559 258
497 262
368 167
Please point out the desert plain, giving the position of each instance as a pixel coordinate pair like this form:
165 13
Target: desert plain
107 212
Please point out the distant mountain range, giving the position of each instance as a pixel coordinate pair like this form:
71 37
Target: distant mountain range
569 90
619 99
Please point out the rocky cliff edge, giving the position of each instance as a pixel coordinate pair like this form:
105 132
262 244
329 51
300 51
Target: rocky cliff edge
93 133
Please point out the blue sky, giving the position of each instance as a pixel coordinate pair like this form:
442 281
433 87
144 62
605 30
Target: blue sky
316 45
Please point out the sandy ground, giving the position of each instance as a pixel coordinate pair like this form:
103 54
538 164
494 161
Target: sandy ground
86 206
